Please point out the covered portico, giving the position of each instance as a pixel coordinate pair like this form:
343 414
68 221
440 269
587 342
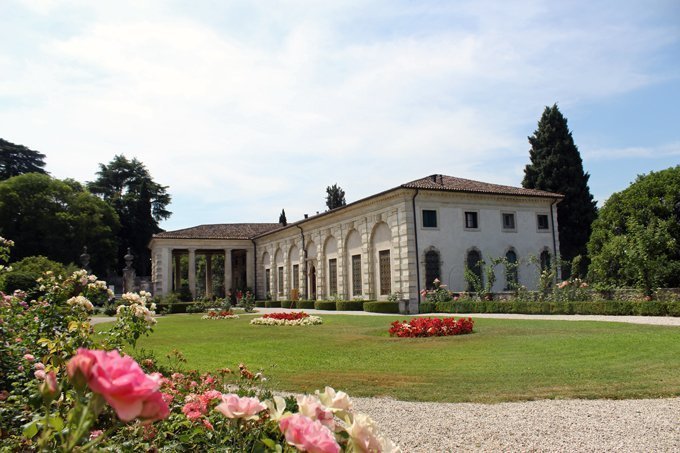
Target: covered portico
211 260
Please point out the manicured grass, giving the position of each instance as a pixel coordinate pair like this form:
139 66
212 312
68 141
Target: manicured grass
504 360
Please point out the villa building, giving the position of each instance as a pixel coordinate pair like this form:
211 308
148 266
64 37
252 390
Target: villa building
394 242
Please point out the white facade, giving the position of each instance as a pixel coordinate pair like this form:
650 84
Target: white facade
378 246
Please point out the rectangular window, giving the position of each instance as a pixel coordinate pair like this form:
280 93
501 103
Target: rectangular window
267 281
471 220
508 221
356 275
332 277
385 272
429 218
280 281
296 276
542 220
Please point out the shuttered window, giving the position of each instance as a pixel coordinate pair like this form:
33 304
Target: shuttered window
333 277
356 275
385 272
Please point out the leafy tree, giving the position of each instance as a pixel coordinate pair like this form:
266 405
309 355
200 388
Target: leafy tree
140 203
556 166
636 239
282 218
17 159
335 197
53 218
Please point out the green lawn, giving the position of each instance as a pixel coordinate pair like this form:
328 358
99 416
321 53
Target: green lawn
504 360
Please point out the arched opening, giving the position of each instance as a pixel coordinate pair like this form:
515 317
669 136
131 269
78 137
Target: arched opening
381 242
474 264
353 262
432 268
511 279
545 260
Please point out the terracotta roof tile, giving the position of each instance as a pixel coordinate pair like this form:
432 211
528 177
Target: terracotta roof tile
453 184
220 231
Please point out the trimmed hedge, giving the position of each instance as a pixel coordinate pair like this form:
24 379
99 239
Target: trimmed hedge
304 304
260 303
381 307
177 307
349 305
324 305
287 303
594 307
426 307
273 304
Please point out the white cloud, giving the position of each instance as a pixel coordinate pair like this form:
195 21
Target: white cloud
277 103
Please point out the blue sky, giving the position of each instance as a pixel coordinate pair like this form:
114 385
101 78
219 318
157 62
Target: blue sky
244 108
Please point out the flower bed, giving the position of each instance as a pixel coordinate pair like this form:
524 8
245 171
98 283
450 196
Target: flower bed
431 327
287 319
224 314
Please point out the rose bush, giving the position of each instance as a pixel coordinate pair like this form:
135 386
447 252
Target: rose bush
431 327
287 319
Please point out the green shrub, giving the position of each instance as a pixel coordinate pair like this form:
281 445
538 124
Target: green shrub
381 307
324 305
18 280
304 304
287 303
673 307
260 303
273 304
349 305
427 307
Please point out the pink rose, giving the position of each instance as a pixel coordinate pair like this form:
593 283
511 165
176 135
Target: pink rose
311 407
29 357
122 383
234 407
39 366
308 435
39 374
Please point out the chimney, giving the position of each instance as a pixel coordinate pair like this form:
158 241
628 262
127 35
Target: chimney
306 216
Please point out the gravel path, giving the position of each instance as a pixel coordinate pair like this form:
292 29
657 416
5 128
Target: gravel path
546 426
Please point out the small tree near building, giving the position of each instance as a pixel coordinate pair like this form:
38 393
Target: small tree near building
335 197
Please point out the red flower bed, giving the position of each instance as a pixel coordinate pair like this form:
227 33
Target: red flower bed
287 316
431 327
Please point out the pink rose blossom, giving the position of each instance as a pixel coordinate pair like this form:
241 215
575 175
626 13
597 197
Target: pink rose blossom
29 357
39 366
308 435
39 374
234 407
122 383
207 424
311 407
96 433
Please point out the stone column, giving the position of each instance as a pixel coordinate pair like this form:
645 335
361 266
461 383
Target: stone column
227 271
178 271
192 272
208 275
286 279
250 268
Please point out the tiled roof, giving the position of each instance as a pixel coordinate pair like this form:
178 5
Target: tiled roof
452 184
220 231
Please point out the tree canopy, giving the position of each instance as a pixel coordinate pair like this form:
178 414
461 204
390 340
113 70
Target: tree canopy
636 239
335 197
17 159
140 203
56 219
556 166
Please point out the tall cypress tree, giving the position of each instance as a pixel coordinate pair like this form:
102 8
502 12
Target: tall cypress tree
556 166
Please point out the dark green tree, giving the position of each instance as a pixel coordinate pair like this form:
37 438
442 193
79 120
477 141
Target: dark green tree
335 197
56 219
556 166
282 218
636 238
17 159
139 202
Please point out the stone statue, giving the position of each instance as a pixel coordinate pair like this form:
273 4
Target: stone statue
85 260
128 273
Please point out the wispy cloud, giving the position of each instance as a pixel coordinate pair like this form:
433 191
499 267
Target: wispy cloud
256 106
